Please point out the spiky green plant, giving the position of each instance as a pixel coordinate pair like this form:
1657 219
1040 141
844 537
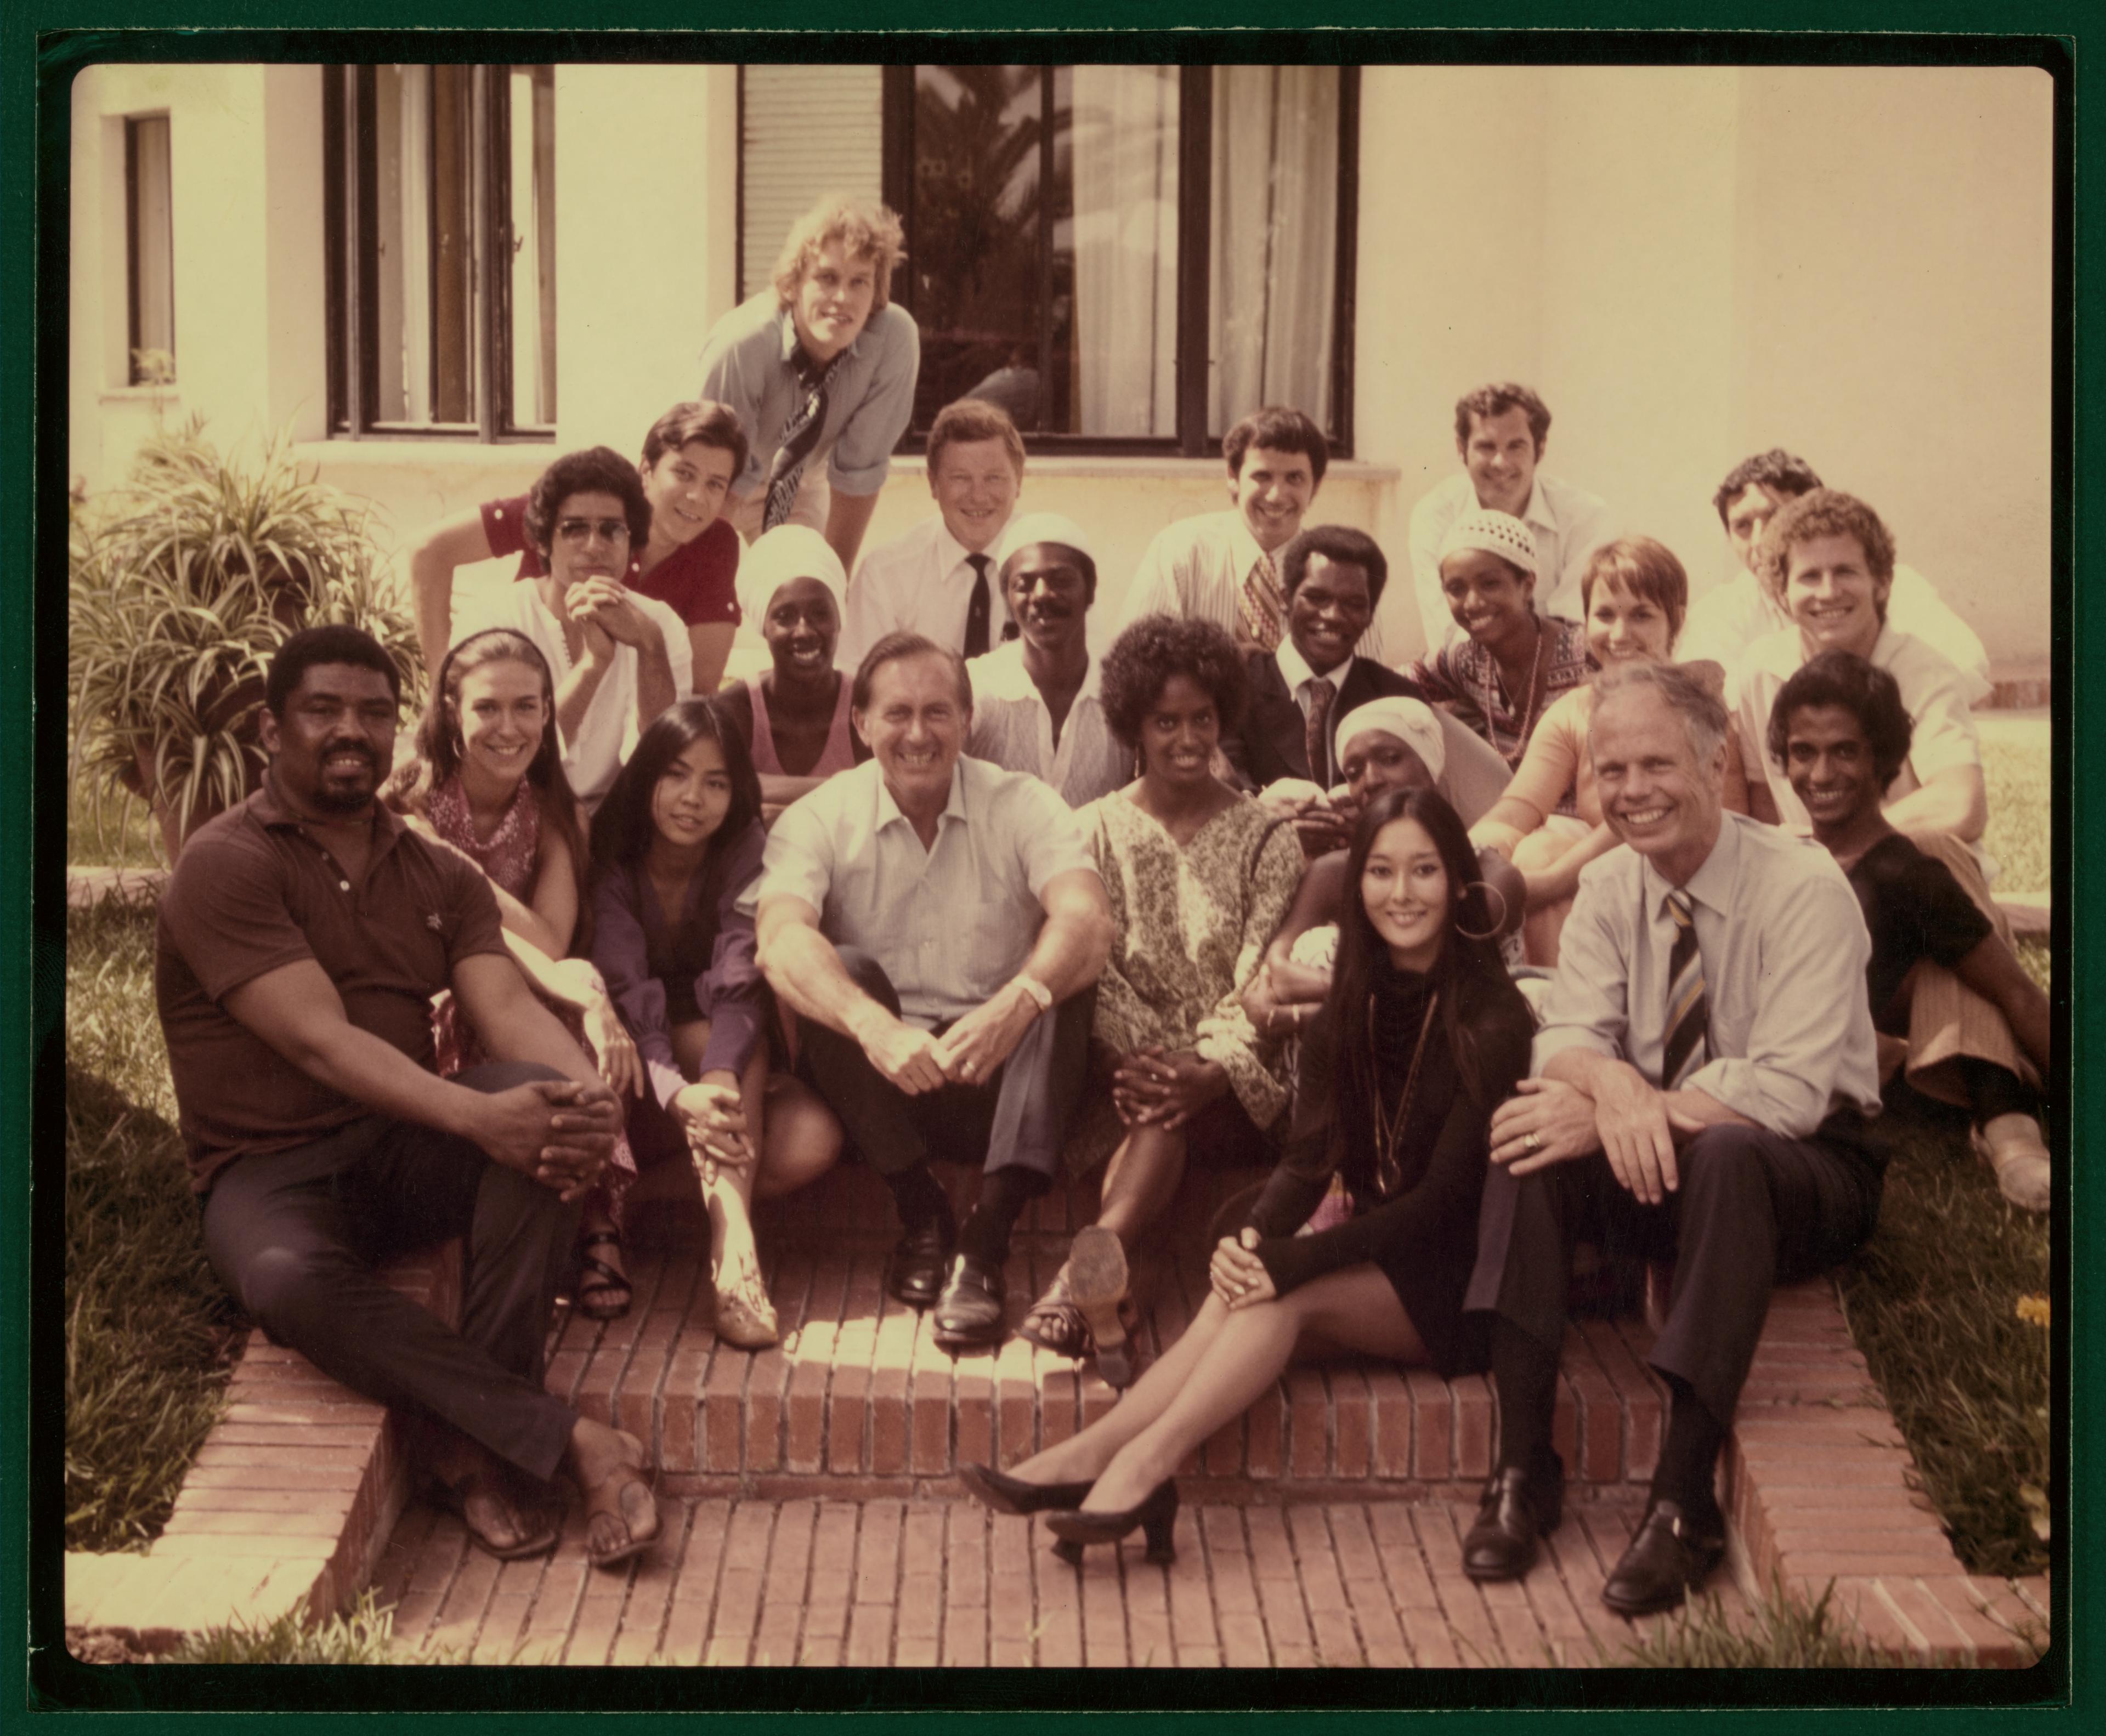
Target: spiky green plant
183 583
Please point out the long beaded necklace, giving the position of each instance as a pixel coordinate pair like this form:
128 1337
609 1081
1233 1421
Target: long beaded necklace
1389 1171
1492 691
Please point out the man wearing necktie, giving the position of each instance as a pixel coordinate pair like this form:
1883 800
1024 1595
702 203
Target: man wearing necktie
1705 1070
938 578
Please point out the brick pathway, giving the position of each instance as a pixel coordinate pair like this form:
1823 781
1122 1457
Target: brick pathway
820 1581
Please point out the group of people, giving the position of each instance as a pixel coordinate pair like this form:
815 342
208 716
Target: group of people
940 884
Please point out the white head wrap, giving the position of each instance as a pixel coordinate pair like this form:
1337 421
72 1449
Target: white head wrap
1040 527
1499 534
1411 721
788 551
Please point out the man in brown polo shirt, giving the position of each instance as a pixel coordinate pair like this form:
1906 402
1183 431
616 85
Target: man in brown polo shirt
301 939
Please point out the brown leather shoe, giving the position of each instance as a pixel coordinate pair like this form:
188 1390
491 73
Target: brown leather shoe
1667 1559
1516 1509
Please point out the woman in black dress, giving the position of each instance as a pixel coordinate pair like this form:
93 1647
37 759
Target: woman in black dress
1422 1035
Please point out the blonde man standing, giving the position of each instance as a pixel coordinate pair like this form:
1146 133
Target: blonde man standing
820 367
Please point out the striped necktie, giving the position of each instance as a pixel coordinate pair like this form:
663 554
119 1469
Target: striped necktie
1261 611
1316 727
1686 1043
800 434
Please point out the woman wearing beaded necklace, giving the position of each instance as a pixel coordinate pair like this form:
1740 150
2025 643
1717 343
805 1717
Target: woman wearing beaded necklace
1502 678
1421 1035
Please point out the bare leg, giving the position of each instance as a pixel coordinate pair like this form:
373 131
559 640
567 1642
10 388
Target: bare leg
1140 1180
804 1139
1357 1308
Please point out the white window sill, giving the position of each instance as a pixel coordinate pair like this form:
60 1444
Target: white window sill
170 394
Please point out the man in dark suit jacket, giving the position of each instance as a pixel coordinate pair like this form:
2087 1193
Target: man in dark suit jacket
1333 577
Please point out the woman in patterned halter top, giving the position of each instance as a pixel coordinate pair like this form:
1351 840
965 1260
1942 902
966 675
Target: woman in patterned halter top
488 779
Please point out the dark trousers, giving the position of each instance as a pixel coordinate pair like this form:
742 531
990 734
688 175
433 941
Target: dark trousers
1019 1117
1754 1209
295 1236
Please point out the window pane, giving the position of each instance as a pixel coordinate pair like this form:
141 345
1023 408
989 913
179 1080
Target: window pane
425 208
152 326
807 131
1125 249
1274 245
531 95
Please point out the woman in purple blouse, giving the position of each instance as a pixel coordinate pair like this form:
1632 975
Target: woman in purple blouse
676 842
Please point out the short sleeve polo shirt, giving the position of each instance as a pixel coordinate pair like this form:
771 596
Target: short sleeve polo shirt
698 581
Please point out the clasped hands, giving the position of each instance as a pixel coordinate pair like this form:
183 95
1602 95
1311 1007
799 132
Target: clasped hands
970 1052
1324 819
1631 1122
559 1131
1151 1088
711 1112
608 614
1235 1272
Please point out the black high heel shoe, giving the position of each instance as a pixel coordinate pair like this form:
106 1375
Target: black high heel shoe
1007 1494
1156 1516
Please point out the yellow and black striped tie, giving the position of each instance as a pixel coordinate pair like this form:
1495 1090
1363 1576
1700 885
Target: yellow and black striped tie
1687 1043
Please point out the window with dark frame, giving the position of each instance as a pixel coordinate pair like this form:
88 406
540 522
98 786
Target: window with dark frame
1128 258
439 205
150 254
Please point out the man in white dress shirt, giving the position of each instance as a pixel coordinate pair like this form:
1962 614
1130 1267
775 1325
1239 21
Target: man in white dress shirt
1500 433
1037 705
922 914
618 657
1726 620
1224 567
938 580
1705 1073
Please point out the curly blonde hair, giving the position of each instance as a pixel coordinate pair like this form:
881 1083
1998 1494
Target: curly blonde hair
866 229
1826 511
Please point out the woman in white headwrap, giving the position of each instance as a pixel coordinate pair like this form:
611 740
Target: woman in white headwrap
1392 743
795 718
1500 680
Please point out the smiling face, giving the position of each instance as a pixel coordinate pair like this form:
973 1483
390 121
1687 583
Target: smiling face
686 489
833 301
1490 600
335 740
1829 590
1829 763
503 714
975 486
1048 595
1623 628
590 539
915 727
1179 734
693 795
1272 491
1329 611
1653 794
1748 514
801 628
1375 760
1405 889
1501 456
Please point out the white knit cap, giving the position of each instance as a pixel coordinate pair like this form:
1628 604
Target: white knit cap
1411 721
1042 527
1501 534
788 551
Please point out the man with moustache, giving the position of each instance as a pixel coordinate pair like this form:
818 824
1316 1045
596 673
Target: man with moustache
300 941
1705 1070
1037 703
924 914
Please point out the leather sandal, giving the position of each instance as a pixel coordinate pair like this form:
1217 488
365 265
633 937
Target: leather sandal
1055 1323
457 1498
606 1499
597 1280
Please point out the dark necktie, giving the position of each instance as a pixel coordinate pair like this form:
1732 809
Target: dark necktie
1683 1047
977 610
800 434
1321 694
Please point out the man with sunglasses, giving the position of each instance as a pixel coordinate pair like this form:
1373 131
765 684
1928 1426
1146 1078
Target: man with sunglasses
618 657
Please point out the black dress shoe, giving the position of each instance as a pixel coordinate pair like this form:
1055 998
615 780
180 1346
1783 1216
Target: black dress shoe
915 1274
969 1311
1157 1514
1007 1494
1516 1509
1666 1560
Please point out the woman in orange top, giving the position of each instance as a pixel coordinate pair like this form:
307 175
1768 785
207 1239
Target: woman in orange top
1548 823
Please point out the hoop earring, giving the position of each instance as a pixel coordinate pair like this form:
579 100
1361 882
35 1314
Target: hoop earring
1498 922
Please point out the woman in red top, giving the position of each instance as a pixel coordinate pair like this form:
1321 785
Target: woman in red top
691 563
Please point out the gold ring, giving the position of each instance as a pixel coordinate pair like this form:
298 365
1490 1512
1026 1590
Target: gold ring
1533 1142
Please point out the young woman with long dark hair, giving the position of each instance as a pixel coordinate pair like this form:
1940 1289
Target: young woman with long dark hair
1423 1034
675 844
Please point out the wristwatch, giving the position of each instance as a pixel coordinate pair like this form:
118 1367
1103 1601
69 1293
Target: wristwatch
1036 990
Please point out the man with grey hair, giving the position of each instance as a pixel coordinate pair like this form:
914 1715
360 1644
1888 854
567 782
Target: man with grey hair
1705 1073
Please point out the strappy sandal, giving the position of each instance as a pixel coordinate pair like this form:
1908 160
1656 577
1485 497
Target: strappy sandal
745 1316
457 1498
605 1499
597 1280
1056 1324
